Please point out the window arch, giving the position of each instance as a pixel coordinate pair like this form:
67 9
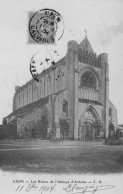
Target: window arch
48 85
16 101
59 79
65 106
35 92
41 89
88 80
30 93
21 98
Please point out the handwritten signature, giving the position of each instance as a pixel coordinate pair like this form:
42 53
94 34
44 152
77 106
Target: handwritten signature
69 188
74 188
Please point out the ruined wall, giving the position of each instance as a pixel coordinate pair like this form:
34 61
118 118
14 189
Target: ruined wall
30 125
8 130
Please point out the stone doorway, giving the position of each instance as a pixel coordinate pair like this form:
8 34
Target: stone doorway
89 124
87 129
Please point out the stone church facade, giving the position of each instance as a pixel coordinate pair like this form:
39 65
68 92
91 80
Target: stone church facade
71 99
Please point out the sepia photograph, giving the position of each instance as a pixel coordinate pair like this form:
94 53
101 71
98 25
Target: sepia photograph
61 102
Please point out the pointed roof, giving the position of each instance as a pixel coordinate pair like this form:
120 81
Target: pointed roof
85 45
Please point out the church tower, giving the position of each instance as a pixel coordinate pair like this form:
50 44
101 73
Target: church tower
88 91
71 100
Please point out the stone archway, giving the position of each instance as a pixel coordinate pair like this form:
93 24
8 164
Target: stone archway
87 130
89 124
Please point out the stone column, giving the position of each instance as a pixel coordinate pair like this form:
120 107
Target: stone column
71 62
107 99
76 134
57 131
105 91
49 129
57 126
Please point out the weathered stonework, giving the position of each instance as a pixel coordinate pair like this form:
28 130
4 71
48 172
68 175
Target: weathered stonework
71 99
30 124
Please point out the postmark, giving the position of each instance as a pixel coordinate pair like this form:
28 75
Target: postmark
46 27
38 64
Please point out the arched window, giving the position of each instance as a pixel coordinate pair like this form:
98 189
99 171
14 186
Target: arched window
38 91
35 92
59 79
88 80
21 98
49 85
41 89
16 101
29 94
65 106
25 96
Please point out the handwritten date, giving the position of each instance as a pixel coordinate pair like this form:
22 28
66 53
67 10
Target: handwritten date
33 187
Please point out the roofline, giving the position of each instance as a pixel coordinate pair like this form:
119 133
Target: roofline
42 73
112 105
16 112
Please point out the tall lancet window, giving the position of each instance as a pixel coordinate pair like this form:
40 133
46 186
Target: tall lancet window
41 89
59 79
88 80
49 86
36 92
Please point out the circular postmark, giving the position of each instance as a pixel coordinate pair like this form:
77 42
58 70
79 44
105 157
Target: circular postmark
46 26
38 64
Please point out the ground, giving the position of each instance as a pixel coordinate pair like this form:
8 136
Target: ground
60 156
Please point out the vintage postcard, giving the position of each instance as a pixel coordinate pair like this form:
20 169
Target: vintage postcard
61 102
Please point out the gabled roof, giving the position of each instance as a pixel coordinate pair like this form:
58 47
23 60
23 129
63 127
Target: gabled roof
85 45
29 107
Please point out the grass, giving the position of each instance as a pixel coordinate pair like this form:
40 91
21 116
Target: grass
85 158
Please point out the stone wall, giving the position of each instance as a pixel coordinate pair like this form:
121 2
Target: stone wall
8 131
30 125
50 81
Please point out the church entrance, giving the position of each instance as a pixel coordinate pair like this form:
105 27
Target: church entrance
87 131
89 125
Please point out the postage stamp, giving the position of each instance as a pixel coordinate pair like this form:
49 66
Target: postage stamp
45 27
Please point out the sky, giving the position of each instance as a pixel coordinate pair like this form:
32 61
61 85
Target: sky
103 20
